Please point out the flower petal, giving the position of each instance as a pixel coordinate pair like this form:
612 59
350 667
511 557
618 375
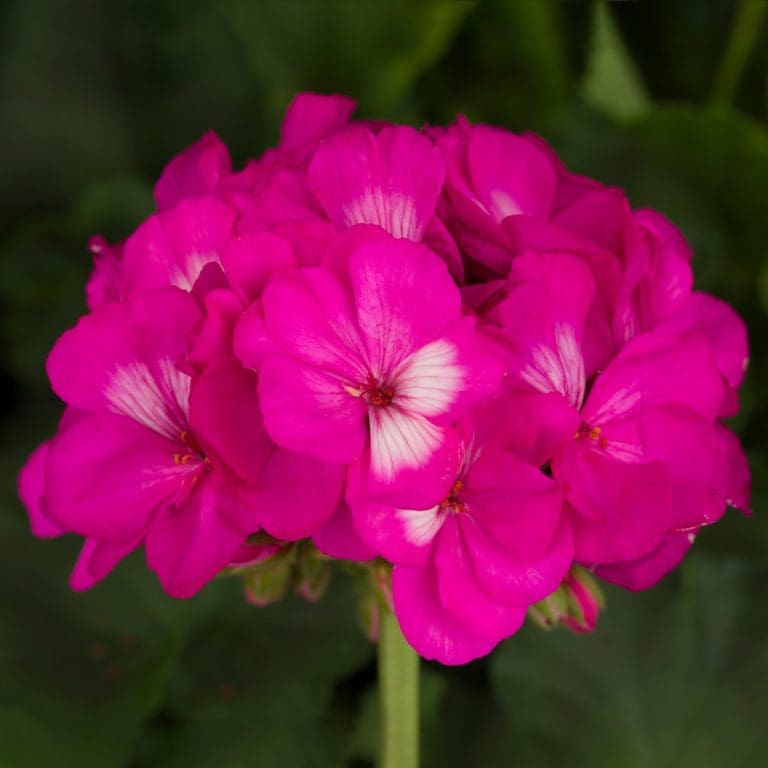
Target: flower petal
97 559
432 631
194 172
309 411
392 179
172 247
31 487
189 545
107 476
338 537
462 595
297 496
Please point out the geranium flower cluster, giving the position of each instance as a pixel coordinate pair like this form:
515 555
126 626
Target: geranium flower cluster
439 349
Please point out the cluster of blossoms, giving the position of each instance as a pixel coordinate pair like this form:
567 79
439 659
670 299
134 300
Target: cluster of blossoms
433 350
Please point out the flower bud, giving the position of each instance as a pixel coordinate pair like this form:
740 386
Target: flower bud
576 603
585 600
268 581
312 573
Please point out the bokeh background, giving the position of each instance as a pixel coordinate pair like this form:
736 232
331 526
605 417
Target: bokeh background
668 99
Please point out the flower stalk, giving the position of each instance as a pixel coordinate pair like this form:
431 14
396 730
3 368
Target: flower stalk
398 697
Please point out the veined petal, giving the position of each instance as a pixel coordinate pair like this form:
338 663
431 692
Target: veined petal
400 440
404 298
426 624
309 411
172 247
188 546
392 179
107 476
428 382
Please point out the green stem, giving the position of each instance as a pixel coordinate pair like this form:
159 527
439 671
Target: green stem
398 697
746 27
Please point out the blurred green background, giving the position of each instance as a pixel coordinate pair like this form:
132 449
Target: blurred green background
668 99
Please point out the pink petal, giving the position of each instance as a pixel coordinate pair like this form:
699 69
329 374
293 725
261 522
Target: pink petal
516 580
297 496
392 179
648 570
31 487
401 536
97 559
461 594
194 172
225 417
338 538
622 510
251 259
107 476
309 314
188 546
309 240
724 329
509 174
172 247
311 117
404 298
597 215
432 631
411 460
531 425
80 363
106 280
309 411
515 503
656 369
439 240
214 337
543 320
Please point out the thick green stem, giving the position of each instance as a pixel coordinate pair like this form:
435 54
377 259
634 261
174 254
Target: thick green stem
749 17
398 697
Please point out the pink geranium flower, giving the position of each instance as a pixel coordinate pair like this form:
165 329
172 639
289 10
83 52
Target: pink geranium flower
640 454
154 456
371 362
468 566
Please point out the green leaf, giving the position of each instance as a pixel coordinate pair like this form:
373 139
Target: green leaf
612 83
668 678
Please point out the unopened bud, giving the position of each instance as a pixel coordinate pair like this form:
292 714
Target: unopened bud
312 573
268 581
585 600
576 603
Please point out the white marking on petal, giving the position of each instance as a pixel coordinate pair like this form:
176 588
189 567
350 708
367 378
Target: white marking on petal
185 272
394 212
617 406
400 440
428 382
629 453
157 398
559 368
421 525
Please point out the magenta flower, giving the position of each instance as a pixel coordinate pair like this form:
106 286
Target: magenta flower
468 565
155 456
437 354
371 363
641 454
